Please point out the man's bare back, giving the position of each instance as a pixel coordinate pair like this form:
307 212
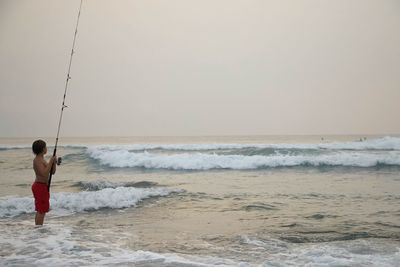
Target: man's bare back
42 168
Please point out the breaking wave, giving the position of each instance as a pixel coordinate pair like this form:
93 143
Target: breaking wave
69 203
101 184
377 152
207 161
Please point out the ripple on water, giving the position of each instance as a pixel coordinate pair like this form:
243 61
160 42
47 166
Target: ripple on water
320 216
259 207
332 236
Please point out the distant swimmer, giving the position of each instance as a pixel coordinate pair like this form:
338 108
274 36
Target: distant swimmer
39 187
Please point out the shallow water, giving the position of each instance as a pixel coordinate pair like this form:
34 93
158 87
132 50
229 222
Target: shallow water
207 201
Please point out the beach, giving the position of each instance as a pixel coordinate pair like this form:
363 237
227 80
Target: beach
206 201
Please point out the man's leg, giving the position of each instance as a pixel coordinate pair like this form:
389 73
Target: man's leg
39 218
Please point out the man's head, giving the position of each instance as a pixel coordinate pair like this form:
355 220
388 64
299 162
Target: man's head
39 147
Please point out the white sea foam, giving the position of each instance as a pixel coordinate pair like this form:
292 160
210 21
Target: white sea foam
204 161
341 253
13 205
60 245
63 245
382 151
68 203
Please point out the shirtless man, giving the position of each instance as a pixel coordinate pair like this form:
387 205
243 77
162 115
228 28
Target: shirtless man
39 187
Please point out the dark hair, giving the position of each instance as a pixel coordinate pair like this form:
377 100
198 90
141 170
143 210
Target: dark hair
38 146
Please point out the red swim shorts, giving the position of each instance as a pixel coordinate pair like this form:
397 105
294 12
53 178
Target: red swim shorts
42 197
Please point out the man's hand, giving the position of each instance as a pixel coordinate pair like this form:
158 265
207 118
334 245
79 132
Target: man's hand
53 164
53 160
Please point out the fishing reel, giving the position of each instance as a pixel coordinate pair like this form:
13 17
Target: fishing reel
59 160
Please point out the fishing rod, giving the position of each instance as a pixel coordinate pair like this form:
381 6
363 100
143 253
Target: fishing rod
65 94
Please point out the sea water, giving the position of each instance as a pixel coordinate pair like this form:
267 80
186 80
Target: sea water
206 201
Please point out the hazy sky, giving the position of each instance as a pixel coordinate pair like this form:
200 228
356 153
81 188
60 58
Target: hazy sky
204 67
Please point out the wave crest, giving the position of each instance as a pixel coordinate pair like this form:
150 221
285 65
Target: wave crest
100 184
69 203
203 161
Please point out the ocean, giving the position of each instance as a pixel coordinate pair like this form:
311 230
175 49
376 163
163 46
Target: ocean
206 201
